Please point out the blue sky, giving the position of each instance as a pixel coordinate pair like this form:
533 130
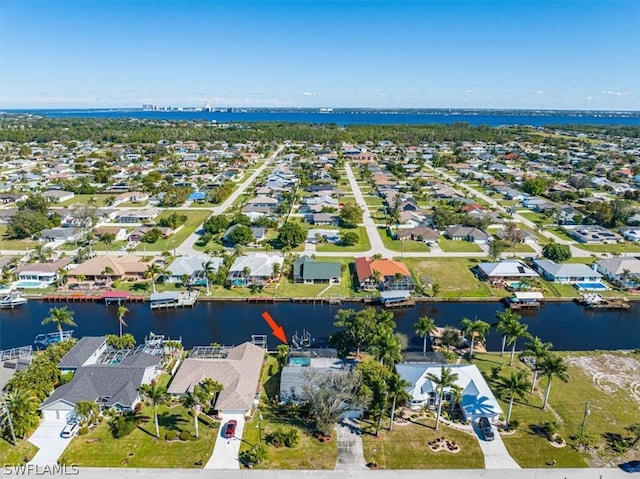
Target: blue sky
563 54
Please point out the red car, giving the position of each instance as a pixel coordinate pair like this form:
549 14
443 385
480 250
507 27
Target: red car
230 431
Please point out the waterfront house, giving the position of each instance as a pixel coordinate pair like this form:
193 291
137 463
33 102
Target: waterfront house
45 273
477 398
254 269
309 271
505 270
303 364
192 268
622 271
107 267
383 274
85 352
109 384
566 272
237 369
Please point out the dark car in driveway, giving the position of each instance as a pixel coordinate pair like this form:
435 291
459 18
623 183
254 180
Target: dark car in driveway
487 430
230 430
631 466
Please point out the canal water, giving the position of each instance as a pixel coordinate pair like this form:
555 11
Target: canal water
567 325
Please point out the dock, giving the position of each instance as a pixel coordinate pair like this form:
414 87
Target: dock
525 300
173 299
107 296
595 301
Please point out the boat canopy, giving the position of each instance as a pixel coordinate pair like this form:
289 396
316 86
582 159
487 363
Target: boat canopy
529 296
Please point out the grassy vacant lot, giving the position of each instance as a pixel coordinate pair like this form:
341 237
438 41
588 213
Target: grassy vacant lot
194 219
610 248
560 233
605 379
308 454
10 454
13 244
454 276
409 246
406 447
455 246
362 245
140 448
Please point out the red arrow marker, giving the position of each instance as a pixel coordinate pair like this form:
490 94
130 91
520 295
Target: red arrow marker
277 331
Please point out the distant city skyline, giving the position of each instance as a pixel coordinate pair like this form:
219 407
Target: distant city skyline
483 54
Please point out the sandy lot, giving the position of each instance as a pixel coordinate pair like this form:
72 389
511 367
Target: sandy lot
611 373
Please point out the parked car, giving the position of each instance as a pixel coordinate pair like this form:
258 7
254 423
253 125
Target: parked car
631 466
487 430
230 430
69 429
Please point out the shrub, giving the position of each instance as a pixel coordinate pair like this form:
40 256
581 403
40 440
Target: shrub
170 436
83 430
254 455
186 436
121 426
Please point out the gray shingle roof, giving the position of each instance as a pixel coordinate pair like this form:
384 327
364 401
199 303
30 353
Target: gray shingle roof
81 351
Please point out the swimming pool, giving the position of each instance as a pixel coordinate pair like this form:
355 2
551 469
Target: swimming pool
29 284
299 361
591 287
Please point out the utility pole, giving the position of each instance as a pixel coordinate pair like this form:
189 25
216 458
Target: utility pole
584 421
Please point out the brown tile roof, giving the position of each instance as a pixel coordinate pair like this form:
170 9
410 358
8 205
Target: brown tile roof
239 373
387 267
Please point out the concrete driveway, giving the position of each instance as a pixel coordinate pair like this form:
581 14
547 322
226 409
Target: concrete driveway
47 438
495 452
225 451
350 452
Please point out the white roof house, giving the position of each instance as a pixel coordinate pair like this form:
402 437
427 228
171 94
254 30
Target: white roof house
505 269
259 267
477 398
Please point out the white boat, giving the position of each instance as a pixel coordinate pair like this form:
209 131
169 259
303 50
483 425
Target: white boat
12 300
5 291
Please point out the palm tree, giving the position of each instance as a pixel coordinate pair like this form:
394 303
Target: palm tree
516 330
435 289
192 401
22 411
246 271
538 350
553 366
397 388
385 346
475 329
151 272
209 389
60 316
122 310
423 327
156 395
107 239
447 379
504 318
635 430
517 384
85 411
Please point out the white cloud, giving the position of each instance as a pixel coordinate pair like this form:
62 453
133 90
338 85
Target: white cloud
614 93
308 93
589 98
539 92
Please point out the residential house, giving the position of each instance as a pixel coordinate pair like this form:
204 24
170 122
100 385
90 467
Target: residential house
109 384
120 234
566 272
259 234
309 271
303 364
137 216
45 273
621 271
254 269
137 234
193 268
85 352
57 196
593 234
6 198
60 234
383 274
631 234
467 233
324 219
505 270
131 197
109 267
477 398
315 236
238 372
419 233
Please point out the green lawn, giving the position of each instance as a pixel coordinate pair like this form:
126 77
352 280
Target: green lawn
18 454
14 244
560 233
605 382
140 448
455 246
98 200
533 216
194 219
610 248
454 276
373 201
406 447
408 246
362 245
